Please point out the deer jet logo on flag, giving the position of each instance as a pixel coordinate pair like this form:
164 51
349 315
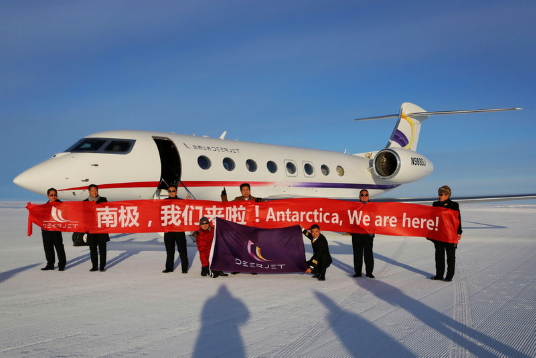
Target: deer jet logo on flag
256 254
237 248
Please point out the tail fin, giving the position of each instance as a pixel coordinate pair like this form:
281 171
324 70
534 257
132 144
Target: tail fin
407 129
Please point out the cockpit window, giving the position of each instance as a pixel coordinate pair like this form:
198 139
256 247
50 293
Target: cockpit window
118 146
87 145
102 145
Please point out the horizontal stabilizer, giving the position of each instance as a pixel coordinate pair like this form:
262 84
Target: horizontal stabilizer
440 113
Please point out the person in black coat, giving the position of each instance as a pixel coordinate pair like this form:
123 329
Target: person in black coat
53 240
362 246
441 247
97 240
175 238
245 190
321 258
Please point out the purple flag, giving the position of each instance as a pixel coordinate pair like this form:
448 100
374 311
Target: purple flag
240 248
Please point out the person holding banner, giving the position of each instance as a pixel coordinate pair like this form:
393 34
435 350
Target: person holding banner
362 246
203 238
53 239
95 240
245 190
441 247
321 260
175 238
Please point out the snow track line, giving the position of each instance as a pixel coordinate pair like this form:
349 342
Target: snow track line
528 286
521 263
461 314
527 291
386 266
41 342
503 258
462 307
318 329
59 319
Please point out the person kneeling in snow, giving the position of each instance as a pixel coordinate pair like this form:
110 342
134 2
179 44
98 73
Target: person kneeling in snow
319 263
203 238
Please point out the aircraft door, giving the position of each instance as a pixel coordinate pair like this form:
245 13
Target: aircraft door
170 162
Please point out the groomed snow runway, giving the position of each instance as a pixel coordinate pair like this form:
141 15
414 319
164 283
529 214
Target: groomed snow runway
133 309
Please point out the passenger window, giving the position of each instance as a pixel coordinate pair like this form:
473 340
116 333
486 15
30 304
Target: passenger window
204 162
251 165
272 167
340 170
325 169
228 164
308 169
291 168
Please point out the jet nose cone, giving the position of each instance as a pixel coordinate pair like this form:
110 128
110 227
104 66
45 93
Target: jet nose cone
27 180
42 176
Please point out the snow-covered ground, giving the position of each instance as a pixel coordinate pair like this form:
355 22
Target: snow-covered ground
133 309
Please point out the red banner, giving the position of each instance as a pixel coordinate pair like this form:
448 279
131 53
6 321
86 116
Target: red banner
70 216
137 216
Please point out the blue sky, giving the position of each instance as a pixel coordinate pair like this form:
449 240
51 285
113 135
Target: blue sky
281 72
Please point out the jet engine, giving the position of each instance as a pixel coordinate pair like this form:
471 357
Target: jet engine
399 166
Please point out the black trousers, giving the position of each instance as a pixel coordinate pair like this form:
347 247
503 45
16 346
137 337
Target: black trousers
53 240
94 241
321 267
170 240
440 249
362 247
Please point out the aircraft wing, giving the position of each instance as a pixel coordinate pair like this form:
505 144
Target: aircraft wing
428 200
461 199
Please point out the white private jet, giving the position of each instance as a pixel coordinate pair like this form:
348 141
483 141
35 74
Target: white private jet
130 165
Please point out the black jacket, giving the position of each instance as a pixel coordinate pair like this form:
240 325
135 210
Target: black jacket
102 199
100 237
57 201
449 204
320 251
